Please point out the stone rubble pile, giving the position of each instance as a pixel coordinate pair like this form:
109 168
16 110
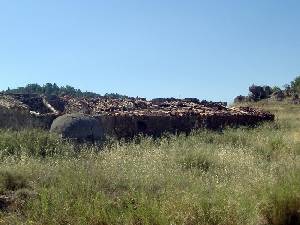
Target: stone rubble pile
129 117
173 107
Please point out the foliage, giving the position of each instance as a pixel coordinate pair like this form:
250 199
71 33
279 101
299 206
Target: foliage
115 95
275 89
54 89
50 89
295 84
240 176
31 143
257 93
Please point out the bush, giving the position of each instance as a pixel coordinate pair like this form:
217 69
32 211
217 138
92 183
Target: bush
295 84
32 143
11 181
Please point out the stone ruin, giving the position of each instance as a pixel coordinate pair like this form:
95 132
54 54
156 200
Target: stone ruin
125 118
78 127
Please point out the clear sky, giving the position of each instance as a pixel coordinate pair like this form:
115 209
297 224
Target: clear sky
153 48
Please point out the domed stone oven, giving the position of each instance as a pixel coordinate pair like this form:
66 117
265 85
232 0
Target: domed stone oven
78 127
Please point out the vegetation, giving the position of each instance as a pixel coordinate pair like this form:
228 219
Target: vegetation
240 176
293 87
53 89
256 93
275 89
295 84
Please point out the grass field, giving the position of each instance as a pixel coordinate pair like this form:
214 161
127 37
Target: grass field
240 176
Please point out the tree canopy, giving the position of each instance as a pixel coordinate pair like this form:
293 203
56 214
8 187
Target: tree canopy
295 84
54 89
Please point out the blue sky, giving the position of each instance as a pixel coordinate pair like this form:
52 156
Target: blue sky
160 48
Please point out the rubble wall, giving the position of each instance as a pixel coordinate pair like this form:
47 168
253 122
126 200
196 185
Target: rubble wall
129 126
17 119
125 118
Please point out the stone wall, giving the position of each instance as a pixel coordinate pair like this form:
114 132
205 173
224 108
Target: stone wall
127 117
18 119
129 126
126 126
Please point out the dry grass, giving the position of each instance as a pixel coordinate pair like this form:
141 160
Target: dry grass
241 176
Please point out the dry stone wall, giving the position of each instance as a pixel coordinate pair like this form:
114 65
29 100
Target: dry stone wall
125 118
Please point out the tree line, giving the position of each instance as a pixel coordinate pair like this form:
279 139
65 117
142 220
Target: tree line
53 89
257 92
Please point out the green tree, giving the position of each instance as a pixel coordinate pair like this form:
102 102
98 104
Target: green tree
275 89
54 89
295 84
33 88
115 95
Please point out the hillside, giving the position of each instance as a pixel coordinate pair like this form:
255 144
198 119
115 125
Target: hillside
239 176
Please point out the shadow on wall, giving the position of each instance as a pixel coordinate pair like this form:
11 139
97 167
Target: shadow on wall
16 119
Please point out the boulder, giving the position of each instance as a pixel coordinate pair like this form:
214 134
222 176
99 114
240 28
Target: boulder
78 127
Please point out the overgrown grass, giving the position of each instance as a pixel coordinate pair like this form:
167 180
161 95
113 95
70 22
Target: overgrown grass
240 176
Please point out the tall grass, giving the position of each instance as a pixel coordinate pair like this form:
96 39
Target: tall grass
239 176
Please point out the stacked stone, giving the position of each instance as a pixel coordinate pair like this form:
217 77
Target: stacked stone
129 117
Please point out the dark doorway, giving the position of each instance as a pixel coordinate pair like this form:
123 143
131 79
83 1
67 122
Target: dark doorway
142 126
